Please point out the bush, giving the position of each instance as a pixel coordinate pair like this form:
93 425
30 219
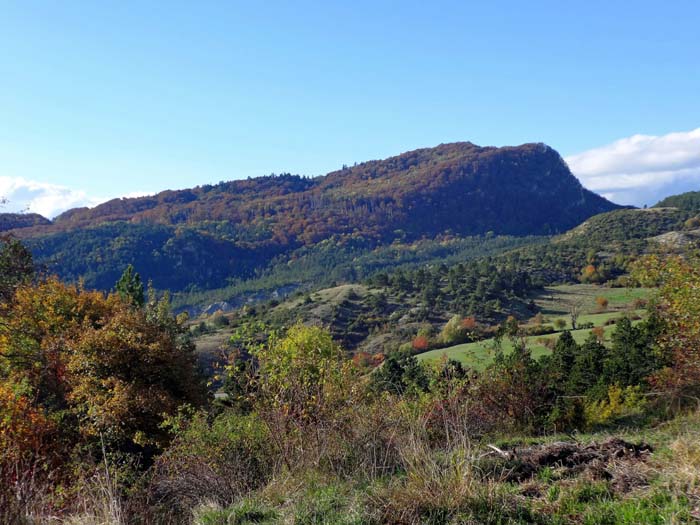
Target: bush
219 320
215 462
454 331
602 303
620 403
420 343
539 329
307 391
599 333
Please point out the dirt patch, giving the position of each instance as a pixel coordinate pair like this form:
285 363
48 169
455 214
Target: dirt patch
613 459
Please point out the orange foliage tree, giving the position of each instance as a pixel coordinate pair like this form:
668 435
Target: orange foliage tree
97 365
420 343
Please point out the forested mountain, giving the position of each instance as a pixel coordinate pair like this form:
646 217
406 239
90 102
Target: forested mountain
12 221
205 237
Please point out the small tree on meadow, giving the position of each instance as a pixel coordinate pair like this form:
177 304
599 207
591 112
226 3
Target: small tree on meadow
574 312
453 332
599 333
602 303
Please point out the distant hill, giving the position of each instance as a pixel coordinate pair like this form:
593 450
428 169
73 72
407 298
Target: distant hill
206 236
13 221
625 225
689 201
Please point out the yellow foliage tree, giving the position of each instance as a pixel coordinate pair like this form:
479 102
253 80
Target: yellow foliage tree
97 364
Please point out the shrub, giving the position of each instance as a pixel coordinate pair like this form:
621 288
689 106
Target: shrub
400 373
692 223
219 320
216 462
639 303
420 343
677 308
539 329
456 331
306 391
602 303
620 403
547 342
599 333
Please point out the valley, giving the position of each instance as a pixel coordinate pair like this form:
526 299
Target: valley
349 263
537 373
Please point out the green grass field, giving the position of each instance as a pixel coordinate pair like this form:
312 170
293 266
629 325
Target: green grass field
557 300
555 303
480 354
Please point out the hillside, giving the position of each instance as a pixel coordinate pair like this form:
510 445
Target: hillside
442 380
13 221
211 235
688 201
626 225
404 291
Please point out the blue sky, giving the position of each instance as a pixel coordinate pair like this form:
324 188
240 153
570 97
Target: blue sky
103 99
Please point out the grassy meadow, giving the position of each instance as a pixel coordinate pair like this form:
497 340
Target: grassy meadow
555 304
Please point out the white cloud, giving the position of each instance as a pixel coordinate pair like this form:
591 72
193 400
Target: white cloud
49 200
641 169
40 197
136 194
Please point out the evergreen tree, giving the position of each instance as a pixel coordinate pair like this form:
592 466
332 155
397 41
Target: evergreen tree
400 372
561 362
632 357
130 288
587 369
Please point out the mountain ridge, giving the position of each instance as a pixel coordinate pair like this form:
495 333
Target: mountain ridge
455 189
361 180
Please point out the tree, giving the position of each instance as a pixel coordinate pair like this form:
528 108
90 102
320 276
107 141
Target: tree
602 303
587 369
420 343
130 288
677 308
100 367
632 357
400 373
513 386
132 371
306 387
300 370
16 266
562 360
454 331
574 312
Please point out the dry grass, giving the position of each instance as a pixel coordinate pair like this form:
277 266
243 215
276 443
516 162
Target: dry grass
683 471
435 486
